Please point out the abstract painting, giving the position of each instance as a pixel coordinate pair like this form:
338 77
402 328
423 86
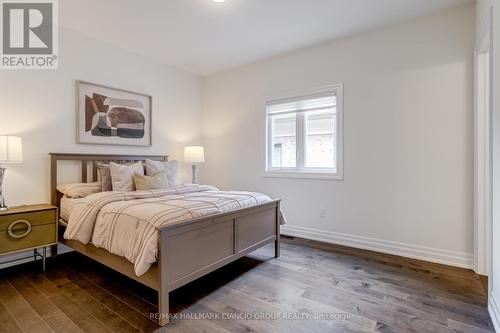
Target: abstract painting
112 116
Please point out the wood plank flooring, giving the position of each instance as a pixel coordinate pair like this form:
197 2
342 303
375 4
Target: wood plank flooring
311 288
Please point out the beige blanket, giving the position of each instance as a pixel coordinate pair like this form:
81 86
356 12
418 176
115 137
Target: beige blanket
127 223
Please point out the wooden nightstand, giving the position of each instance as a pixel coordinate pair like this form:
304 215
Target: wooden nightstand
28 228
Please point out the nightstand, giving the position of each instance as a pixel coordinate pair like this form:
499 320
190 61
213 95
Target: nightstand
28 228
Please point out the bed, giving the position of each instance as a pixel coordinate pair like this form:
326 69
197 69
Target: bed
187 249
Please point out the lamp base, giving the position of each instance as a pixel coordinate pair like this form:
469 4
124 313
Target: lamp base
3 207
193 167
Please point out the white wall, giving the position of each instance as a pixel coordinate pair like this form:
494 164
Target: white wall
40 107
408 137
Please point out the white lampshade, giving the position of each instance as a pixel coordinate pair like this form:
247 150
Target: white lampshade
194 154
11 149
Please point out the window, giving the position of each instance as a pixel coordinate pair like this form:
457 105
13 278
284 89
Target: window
304 134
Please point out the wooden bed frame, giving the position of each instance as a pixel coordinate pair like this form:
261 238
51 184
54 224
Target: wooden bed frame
187 250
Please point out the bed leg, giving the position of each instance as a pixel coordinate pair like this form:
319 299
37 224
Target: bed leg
277 241
163 308
163 299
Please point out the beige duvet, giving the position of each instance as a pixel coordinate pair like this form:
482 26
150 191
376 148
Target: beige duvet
126 223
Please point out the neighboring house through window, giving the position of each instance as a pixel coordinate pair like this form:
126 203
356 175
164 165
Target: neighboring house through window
304 134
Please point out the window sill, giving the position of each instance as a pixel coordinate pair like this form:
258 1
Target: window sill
302 175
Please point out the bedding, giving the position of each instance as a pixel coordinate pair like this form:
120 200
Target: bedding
122 175
126 223
105 176
154 182
170 168
66 207
79 190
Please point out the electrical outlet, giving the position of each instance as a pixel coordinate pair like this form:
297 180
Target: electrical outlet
322 213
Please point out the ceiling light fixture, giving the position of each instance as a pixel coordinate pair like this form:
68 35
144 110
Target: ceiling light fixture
218 0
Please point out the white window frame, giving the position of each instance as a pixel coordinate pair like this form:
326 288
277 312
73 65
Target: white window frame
300 171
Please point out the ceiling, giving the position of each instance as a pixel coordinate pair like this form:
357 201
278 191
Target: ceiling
205 37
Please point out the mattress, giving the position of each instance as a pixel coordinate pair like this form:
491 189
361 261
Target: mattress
66 207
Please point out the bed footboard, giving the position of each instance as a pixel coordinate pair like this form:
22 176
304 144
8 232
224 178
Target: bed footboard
193 249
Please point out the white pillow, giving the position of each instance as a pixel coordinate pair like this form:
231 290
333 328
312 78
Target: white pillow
79 190
170 168
122 176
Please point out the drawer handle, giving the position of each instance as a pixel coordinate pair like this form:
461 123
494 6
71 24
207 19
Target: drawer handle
24 234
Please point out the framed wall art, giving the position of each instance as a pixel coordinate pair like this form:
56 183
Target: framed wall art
111 116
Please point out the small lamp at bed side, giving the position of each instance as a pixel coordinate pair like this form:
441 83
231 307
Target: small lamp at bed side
11 151
194 154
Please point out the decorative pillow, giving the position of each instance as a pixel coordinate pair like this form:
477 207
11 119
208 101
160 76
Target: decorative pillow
122 176
79 190
105 177
155 182
170 168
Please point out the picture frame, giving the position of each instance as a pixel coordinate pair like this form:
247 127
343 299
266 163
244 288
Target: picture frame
112 116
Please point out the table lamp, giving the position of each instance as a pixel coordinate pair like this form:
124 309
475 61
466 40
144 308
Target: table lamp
11 151
194 154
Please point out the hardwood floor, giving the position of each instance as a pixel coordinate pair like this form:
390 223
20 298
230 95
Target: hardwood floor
360 291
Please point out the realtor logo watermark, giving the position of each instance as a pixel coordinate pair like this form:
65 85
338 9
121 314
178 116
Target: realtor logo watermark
29 33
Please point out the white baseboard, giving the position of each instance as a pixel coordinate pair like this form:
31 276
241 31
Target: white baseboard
494 310
28 255
18 257
441 256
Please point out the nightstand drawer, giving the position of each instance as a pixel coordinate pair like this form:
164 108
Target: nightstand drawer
36 218
38 236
